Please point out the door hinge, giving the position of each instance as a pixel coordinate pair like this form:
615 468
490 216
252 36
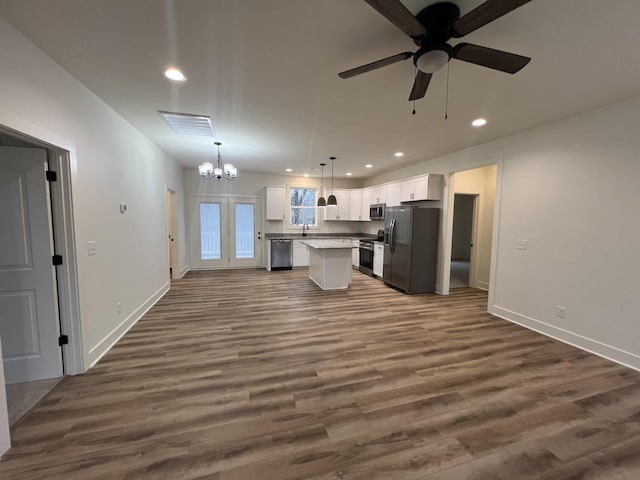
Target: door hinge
63 340
51 176
56 260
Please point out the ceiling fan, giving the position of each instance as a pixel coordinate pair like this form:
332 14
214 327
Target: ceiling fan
432 28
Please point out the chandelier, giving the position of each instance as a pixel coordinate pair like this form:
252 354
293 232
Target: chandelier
227 170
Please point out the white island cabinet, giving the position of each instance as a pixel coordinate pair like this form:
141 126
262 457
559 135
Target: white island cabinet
330 262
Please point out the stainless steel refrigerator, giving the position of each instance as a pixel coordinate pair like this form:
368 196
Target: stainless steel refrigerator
411 248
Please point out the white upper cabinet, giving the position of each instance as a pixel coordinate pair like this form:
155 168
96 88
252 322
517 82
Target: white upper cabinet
355 204
378 194
366 201
393 194
341 211
424 187
275 203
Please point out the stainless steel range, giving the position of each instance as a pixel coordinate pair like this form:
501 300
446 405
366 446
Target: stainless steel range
366 257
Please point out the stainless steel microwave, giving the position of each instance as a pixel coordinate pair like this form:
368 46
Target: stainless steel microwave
376 211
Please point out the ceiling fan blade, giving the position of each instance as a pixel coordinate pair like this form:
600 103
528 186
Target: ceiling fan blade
420 85
490 58
398 14
375 65
485 13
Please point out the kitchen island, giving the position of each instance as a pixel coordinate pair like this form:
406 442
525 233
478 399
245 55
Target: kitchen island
330 262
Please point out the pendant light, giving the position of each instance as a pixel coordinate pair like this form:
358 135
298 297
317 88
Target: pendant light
321 201
332 200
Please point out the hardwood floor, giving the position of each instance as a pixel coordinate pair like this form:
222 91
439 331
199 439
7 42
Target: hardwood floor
242 375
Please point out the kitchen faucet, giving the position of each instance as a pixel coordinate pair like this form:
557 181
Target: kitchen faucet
304 233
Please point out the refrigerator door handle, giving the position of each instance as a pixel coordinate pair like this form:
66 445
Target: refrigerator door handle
392 235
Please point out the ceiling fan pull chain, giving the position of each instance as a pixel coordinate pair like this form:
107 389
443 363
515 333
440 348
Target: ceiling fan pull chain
446 101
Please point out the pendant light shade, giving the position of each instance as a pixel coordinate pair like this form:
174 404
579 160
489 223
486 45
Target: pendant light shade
321 201
332 200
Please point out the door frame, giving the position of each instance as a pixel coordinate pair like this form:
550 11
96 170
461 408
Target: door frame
473 281
62 160
172 238
193 222
444 275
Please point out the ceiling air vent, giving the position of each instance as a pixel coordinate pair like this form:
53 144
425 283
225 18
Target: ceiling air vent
188 124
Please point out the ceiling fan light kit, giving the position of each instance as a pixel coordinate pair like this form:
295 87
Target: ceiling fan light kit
432 28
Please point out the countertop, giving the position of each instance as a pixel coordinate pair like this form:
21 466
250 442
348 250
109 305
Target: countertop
316 236
328 243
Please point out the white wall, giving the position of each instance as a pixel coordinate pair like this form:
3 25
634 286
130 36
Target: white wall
570 188
111 163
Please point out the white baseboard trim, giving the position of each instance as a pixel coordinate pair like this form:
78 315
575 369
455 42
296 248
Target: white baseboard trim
183 271
97 352
609 352
483 286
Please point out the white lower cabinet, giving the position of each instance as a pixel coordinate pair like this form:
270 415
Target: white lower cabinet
378 259
300 254
355 253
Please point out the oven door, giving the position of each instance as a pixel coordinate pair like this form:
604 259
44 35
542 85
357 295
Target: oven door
366 259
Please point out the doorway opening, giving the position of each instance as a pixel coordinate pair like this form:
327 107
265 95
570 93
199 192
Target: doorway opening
39 307
468 245
462 240
225 232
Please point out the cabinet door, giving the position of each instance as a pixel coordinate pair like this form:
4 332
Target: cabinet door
275 203
407 191
366 202
355 253
378 259
341 211
378 194
300 254
393 194
355 204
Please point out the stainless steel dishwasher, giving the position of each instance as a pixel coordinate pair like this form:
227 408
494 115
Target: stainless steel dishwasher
281 254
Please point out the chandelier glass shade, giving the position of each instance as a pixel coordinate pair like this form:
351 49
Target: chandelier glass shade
221 170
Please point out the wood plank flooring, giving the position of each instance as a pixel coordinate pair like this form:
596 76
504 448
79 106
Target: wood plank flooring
247 374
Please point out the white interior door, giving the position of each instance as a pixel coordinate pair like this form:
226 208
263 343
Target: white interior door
225 232
29 324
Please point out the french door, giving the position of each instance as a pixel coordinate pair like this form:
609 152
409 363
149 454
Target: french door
225 232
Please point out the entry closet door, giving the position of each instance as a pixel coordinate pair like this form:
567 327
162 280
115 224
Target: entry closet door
29 323
225 232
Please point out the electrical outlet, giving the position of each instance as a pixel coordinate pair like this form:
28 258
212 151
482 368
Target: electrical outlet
118 308
521 244
561 312
91 247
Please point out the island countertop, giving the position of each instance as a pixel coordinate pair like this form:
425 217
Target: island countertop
328 243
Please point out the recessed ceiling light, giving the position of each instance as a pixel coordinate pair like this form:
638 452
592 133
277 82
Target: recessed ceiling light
288 170
399 154
479 122
175 74
349 174
368 165
306 175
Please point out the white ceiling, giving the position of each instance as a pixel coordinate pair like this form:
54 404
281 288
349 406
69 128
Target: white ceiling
266 72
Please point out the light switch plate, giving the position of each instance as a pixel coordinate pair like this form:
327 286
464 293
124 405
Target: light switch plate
91 247
521 244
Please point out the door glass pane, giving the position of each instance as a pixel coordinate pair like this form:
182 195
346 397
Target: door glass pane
245 238
210 231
